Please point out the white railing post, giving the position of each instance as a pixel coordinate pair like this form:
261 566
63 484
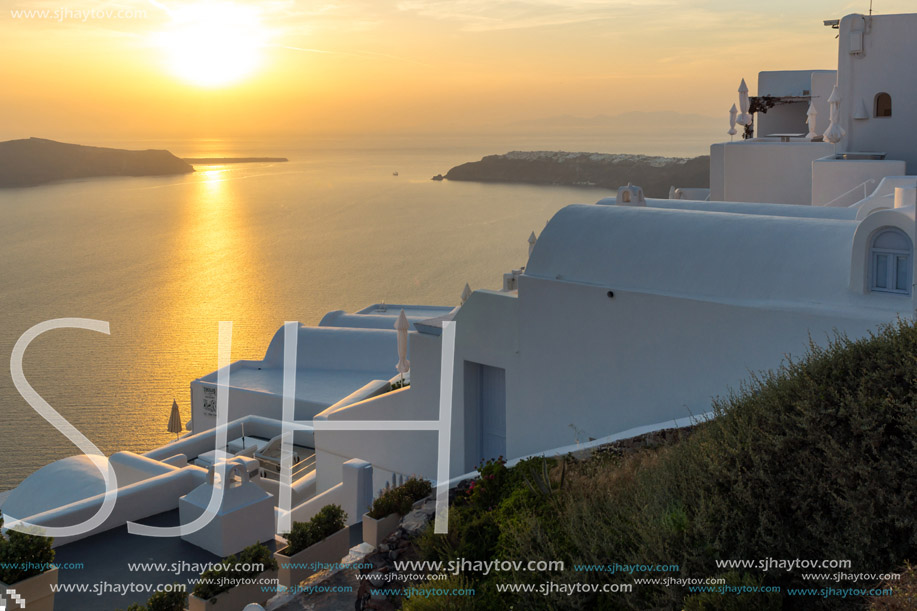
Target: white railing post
357 493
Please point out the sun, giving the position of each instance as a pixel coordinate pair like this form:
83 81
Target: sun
213 44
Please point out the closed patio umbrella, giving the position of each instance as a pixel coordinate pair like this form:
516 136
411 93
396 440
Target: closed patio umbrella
810 121
401 326
744 118
175 420
732 120
835 133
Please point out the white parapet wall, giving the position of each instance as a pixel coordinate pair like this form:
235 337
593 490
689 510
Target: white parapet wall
331 363
354 494
131 468
134 502
764 170
844 182
258 426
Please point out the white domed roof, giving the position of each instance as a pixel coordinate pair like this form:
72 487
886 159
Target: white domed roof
63 482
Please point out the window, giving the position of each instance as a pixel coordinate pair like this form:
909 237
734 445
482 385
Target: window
890 262
883 105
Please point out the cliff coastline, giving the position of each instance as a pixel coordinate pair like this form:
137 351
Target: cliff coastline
655 174
36 161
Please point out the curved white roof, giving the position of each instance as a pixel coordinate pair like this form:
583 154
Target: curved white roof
62 482
734 258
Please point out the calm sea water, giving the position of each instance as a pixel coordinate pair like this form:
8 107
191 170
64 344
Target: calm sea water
163 260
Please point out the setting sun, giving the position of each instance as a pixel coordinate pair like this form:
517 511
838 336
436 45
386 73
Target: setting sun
211 44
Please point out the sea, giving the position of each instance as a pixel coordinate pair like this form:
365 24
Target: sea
163 260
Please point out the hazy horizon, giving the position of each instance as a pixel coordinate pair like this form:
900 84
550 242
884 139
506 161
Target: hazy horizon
635 132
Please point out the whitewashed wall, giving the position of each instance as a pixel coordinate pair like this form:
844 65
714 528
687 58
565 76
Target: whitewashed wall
764 170
834 178
885 65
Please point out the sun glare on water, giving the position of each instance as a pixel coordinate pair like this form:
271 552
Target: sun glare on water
212 44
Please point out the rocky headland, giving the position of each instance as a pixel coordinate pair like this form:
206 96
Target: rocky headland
36 161
654 174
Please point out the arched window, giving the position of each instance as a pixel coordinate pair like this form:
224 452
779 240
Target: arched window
890 262
883 105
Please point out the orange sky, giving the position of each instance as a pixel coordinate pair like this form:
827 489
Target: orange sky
389 65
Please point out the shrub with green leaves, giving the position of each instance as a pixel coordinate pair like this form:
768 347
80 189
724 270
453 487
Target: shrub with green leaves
400 384
400 498
329 520
163 601
475 516
18 549
746 599
487 490
167 601
214 581
903 595
463 596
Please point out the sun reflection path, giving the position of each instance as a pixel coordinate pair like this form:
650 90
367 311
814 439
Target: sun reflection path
212 276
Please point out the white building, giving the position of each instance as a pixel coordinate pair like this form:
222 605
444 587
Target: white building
633 316
873 72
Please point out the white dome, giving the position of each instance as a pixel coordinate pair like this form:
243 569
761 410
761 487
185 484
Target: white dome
63 482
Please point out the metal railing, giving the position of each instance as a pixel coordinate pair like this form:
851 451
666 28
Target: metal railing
835 203
270 470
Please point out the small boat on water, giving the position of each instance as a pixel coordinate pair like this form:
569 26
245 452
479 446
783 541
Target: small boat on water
395 173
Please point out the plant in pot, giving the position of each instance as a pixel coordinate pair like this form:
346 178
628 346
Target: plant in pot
26 566
323 540
236 581
163 601
387 510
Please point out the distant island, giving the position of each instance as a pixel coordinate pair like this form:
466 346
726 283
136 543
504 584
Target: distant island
225 160
654 174
36 161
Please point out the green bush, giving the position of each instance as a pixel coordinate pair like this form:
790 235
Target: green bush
163 601
470 600
400 384
417 488
487 490
167 601
213 580
476 517
329 520
904 592
400 498
744 601
18 548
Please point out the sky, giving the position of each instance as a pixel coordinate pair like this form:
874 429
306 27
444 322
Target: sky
172 69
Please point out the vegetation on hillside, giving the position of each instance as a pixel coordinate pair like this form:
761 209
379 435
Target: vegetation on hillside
251 562
401 498
814 461
23 554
